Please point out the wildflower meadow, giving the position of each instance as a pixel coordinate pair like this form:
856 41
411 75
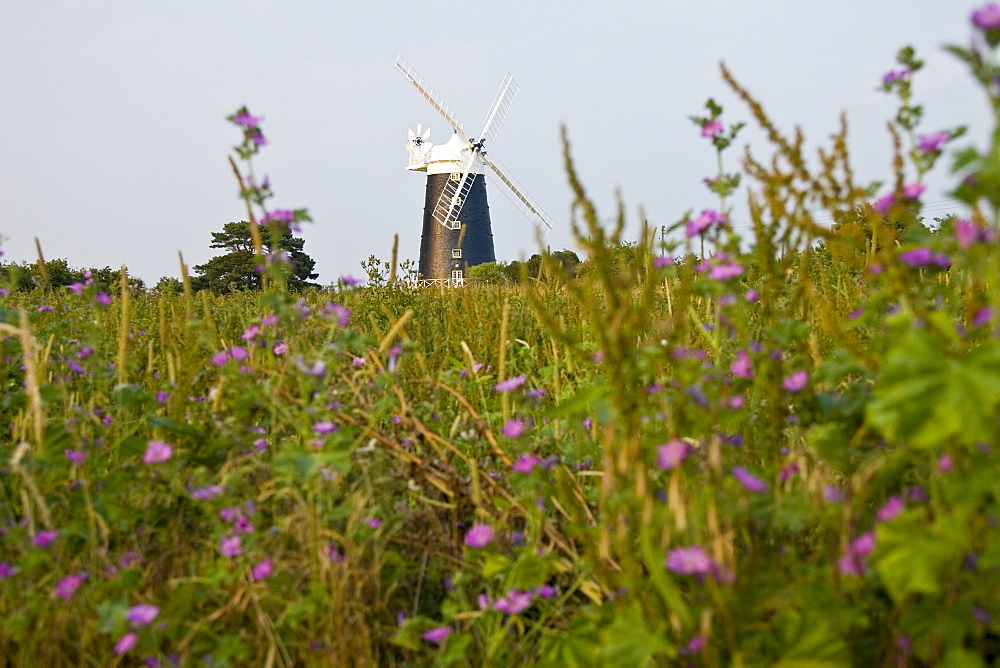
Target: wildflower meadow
770 449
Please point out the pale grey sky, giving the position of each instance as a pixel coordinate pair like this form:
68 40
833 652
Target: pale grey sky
113 141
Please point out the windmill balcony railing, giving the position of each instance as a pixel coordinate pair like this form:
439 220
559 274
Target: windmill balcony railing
443 282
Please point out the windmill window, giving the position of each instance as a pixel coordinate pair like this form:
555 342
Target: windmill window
456 252
456 275
456 176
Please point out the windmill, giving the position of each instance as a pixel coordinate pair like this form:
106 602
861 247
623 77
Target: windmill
457 232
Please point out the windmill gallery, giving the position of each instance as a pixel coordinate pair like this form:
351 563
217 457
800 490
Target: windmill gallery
457 231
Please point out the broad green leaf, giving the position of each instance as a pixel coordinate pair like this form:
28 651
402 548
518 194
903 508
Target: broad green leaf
913 557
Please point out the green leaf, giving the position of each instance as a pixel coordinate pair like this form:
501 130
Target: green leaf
634 639
913 557
924 397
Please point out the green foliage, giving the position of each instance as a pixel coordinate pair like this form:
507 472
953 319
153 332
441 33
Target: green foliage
782 453
237 269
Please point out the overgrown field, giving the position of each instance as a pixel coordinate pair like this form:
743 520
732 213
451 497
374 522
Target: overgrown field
776 449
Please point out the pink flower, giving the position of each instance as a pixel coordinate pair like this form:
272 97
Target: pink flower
157 452
689 560
892 507
894 75
742 367
515 602
239 353
671 454
913 190
796 382
944 463
695 227
438 635
751 482
854 561
373 522
220 358
125 643
711 129
231 546
103 299
6 570
281 348
662 261
262 570
479 535
250 332
723 272
509 384
525 464
142 614
514 428
987 17
69 584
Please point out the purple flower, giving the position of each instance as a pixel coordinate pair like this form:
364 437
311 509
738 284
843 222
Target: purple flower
922 257
514 428
479 535
671 454
509 384
325 427
142 614
103 299
893 506
69 584
525 464
689 560
796 382
883 203
75 456
752 296
373 523
788 471
262 570
893 76
514 602
751 482
864 544
245 120
280 349
342 313
932 143
350 280
218 359
250 332
6 570
711 129
318 368
987 17
231 546
157 452
125 643
206 493
44 538
239 353
438 635
944 463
